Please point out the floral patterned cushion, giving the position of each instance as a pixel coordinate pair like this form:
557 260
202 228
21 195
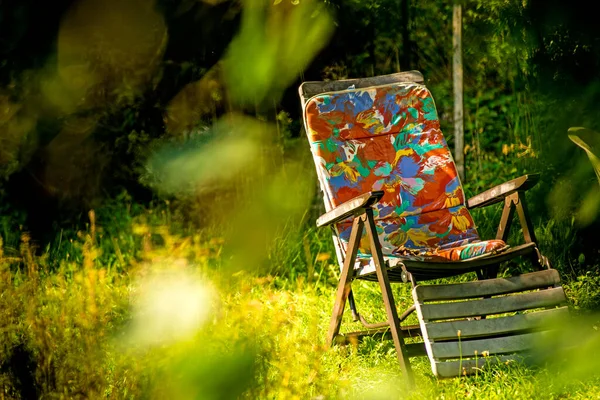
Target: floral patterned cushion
455 253
388 138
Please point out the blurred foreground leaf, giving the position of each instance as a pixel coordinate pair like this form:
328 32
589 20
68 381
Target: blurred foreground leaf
589 141
568 352
229 149
237 174
201 373
170 305
276 42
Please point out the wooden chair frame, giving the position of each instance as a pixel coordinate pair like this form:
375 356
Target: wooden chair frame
360 208
385 271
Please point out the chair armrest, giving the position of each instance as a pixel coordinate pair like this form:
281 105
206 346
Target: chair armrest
350 208
498 193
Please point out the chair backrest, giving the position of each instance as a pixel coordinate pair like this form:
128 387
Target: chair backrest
387 137
310 88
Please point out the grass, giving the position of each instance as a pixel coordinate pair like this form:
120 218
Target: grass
136 310
138 305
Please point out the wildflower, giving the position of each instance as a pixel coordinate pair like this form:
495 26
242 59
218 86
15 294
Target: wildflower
485 353
323 257
458 333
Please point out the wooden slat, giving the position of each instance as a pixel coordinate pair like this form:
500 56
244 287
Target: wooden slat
489 287
493 326
311 88
496 305
449 369
501 345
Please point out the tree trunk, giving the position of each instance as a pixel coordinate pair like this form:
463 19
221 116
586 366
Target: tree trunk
457 72
405 63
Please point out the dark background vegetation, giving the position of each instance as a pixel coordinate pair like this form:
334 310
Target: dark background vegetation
531 71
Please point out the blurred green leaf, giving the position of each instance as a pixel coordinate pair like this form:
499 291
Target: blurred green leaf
226 151
201 373
588 210
589 141
276 42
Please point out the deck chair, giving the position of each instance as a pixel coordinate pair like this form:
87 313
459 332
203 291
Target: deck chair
398 214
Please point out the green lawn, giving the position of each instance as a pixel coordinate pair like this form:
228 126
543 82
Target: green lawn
150 314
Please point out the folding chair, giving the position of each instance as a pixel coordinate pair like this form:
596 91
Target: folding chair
398 214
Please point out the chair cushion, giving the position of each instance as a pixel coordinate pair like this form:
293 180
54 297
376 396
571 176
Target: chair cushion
438 229
458 252
383 138
388 138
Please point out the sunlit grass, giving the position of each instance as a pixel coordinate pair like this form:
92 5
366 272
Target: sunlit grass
176 325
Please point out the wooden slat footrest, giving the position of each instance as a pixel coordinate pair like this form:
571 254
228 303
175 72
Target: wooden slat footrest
460 321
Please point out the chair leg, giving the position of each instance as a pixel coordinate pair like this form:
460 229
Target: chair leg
394 321
526 224
490 272
344 285
352 304
388 298
508 211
